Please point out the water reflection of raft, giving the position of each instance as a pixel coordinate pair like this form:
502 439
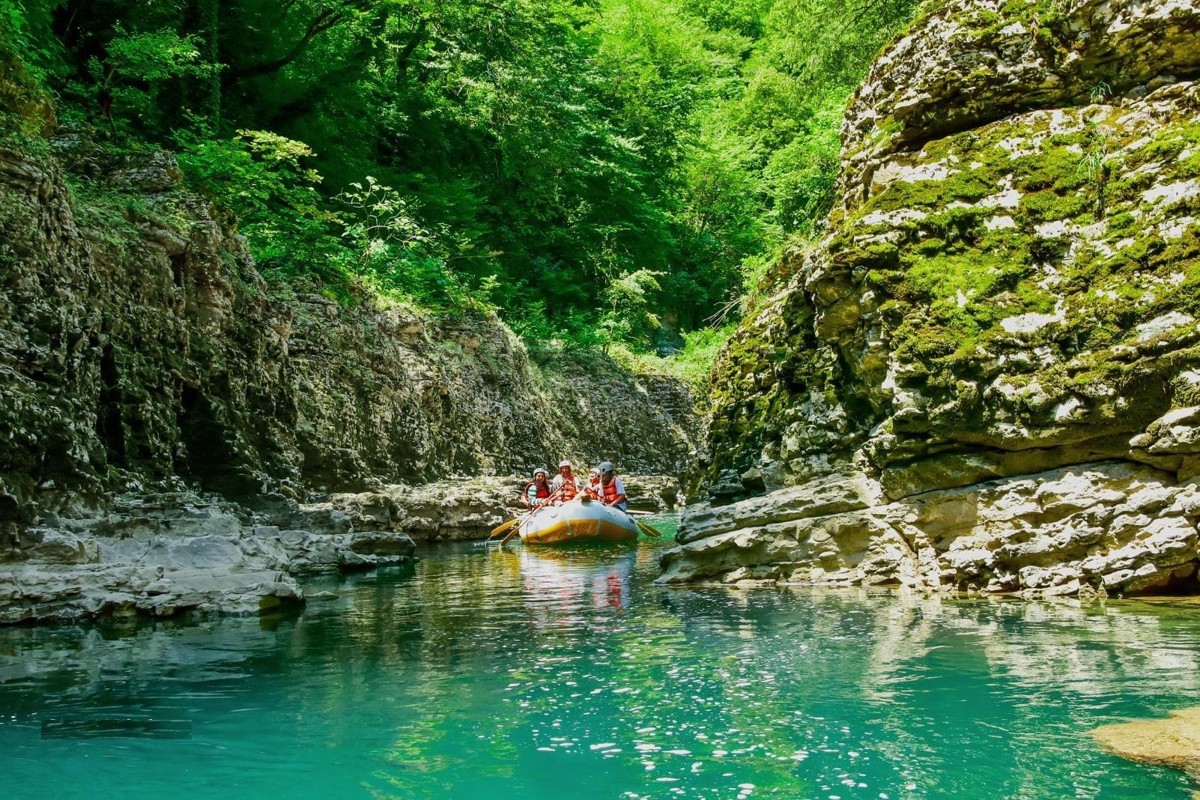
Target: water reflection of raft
578 521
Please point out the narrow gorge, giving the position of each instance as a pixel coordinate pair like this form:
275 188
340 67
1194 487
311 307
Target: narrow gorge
868 332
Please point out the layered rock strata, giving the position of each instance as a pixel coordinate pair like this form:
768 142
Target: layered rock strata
1007 298
1111 528
168 555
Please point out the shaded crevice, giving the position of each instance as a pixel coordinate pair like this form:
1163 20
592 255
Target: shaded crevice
312 466
177 269
109 425
1182 581
205 455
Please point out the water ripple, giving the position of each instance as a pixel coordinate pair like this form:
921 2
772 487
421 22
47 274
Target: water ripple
549 674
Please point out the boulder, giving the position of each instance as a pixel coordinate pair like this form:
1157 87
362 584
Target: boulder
1172 742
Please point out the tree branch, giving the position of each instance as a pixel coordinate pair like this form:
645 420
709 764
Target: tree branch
405 54
326 19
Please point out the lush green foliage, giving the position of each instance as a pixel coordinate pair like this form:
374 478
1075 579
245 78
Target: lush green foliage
692 364
590 169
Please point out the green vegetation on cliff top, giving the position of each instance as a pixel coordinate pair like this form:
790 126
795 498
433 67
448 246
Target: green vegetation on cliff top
590 170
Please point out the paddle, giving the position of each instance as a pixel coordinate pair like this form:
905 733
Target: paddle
504 526
514 522
519 520
646 529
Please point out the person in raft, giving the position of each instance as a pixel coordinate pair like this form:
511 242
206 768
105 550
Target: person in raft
593 485
612 491
537 491
565 484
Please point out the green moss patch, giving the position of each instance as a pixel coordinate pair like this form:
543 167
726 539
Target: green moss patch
948 281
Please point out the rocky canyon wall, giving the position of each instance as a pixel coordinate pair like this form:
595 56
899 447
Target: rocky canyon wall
178 437
987 375
140 349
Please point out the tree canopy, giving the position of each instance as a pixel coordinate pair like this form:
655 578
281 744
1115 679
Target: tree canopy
590 168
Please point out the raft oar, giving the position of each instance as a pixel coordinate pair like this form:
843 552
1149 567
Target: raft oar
511 534
514 522
647 529
517 529
504 526
518 521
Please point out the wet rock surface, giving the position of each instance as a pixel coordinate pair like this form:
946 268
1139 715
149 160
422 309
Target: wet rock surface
1111 529
166 555
1173 742
1006 297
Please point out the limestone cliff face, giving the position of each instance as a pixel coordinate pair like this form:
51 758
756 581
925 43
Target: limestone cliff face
1007 293
139 347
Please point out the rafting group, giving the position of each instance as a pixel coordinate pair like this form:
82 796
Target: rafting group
567 508
602 485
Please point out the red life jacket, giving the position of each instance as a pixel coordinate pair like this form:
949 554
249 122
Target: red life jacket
608 491
543 491
568 489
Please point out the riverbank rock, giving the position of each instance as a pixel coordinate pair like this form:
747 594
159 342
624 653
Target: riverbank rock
1173 742
1098 529
1007 296
167 555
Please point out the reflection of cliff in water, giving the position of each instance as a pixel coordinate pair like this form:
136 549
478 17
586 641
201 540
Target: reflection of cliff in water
124 665
891 634
561 586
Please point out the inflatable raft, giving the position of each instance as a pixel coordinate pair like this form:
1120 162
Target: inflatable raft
578 521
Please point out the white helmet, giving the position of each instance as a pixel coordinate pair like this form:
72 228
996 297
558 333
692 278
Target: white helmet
564 463
542 471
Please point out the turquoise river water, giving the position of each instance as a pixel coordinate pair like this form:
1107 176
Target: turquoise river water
570 674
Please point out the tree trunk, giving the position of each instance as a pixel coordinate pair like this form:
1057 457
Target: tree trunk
208 14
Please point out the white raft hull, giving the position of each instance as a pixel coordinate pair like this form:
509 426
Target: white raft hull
578 521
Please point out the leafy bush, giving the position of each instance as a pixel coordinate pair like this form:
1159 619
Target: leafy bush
25 108
629 316
141 70
693 364
260 178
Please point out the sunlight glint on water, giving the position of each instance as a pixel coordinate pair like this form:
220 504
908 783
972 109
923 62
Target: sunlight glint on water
556 674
